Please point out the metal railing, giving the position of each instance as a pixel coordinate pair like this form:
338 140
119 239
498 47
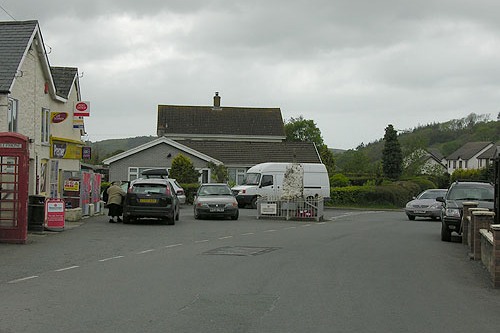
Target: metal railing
290 209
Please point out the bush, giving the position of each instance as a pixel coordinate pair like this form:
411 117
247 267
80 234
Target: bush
390 195
339 180
190 191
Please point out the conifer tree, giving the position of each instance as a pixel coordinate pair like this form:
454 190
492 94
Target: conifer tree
392 156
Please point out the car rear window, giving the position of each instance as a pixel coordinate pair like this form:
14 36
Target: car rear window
150 189
485 193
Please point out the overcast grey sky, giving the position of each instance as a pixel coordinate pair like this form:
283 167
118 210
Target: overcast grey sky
352 66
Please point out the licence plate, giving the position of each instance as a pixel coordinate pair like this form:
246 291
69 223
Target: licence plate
217 210
419 211
148 200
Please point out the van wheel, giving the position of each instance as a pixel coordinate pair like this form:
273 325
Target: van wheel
254 202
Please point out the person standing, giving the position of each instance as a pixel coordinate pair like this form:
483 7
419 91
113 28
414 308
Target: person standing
115 199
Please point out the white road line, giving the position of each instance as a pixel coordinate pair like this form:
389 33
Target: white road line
23 279
173 245
270 230
145 251
225 237
321 223
306 225
248 233
290 228
65 269
111 258
201 241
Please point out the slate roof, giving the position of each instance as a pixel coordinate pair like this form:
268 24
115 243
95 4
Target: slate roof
468 150
219 121
64 77
234 153
489 153
15 37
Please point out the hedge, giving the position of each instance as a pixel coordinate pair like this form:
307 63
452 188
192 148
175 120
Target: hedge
394 195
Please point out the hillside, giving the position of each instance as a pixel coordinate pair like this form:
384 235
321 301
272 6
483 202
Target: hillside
445 137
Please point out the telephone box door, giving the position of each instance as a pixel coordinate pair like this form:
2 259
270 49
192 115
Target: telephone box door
14 175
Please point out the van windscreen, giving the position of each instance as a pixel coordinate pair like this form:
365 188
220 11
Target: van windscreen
252 179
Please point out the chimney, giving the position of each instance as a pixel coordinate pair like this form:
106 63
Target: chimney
216 100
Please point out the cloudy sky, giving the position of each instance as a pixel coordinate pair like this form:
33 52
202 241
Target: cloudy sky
351 66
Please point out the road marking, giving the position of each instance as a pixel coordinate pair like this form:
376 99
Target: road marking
146 251
248 233
23 279
111 258
306 225
225 237
290 228
321 223
270 230
173 245
66 269
201 241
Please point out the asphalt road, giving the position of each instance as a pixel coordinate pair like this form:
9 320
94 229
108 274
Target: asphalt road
358 271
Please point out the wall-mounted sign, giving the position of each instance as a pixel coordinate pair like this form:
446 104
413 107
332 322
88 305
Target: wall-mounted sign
58 117
72 185
82 109
86 153
66 150
78 122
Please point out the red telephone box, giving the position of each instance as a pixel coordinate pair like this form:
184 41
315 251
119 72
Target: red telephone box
14 175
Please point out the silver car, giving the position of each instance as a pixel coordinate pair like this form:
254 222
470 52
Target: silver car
425 204
215 200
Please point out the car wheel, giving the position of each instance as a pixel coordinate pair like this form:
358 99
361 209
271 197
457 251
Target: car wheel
411 217
177 215
445 233
235 216
196 215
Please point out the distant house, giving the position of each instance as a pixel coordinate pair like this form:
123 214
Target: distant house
37 101
472 155
238 137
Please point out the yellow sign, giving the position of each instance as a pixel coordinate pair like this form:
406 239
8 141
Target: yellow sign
72 185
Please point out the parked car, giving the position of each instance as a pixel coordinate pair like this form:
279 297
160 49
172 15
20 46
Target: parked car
457 194
178 190
162 173
151 198
425 204
215 200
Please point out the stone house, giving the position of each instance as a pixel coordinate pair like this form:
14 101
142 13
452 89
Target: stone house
37 101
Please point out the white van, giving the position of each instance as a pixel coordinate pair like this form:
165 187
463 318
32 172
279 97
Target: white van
266 180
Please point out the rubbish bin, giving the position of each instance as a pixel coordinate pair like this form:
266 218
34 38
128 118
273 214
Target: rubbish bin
36 212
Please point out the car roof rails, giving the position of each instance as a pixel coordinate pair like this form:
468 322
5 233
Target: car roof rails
155 173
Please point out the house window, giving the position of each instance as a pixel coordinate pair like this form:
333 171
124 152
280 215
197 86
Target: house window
465 164
460 164
12 115
240 176
45 125
454 164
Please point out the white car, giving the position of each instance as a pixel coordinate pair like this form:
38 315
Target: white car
178 190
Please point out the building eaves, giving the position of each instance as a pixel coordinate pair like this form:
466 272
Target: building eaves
219 121
64 79
469 150
251 153
161 140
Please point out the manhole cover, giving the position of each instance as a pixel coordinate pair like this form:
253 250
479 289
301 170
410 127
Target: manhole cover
241 250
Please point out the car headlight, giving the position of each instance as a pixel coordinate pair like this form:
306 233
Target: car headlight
453 212
436 205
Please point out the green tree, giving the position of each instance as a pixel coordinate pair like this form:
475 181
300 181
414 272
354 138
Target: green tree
219 172
300 129
353 162
183 170
392 157
305 130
